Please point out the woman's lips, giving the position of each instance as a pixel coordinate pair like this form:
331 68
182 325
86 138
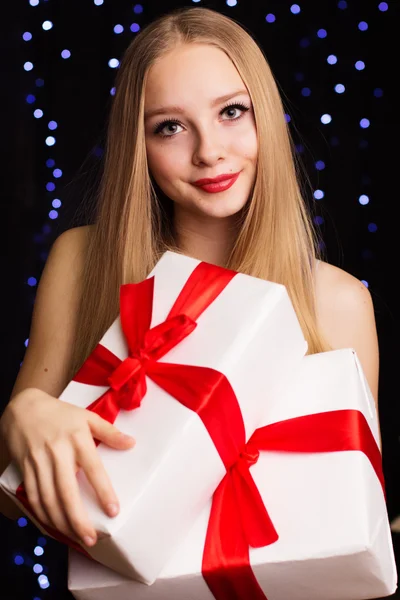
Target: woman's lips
221 186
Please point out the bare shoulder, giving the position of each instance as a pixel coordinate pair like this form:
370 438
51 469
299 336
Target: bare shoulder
339 291
75 238
345 313
54 314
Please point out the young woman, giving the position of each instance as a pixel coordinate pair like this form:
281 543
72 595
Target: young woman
195 99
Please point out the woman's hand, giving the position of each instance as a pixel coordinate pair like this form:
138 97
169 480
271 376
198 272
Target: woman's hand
50 440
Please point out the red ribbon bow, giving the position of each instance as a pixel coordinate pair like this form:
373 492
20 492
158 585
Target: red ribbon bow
238 517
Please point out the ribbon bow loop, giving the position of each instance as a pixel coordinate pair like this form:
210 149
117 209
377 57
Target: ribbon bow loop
163 337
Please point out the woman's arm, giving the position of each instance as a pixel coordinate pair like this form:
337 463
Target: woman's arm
346 316
50 440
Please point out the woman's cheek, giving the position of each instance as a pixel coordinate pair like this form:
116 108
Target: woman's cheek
246 144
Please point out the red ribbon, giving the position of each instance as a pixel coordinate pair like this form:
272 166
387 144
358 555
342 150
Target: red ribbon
238 518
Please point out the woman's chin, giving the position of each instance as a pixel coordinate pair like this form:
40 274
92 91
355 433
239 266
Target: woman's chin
217 208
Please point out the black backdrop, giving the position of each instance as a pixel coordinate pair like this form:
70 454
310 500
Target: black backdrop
76 94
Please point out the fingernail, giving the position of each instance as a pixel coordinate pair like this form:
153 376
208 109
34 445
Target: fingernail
112 509
88 540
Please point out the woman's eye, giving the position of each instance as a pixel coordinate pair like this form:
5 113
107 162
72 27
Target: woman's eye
166 125
169 123
233 108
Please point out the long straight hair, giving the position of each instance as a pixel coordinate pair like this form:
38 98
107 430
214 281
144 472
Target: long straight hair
134 219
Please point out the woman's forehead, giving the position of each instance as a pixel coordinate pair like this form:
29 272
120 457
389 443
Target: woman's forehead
191 72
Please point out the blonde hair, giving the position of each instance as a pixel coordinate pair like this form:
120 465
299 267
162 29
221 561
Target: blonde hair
134 223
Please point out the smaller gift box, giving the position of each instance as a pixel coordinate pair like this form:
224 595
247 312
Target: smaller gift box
317 465
186 369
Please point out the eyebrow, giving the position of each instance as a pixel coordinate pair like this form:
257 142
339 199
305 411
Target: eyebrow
177 109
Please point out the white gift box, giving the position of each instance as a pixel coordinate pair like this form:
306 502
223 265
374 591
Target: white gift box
328 509
251 334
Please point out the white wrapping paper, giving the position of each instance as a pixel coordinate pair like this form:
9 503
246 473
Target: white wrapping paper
329 511
251 334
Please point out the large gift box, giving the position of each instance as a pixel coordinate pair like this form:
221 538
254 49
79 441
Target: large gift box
196 352
325 529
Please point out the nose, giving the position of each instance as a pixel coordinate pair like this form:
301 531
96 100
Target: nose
209 148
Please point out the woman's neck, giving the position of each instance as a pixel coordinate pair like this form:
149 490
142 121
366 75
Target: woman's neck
205 238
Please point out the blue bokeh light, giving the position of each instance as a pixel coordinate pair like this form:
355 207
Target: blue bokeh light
43 582
295 9
27 36
270 18
37 568
304 42
363 199
326 118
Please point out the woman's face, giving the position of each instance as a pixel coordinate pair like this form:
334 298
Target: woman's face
196 134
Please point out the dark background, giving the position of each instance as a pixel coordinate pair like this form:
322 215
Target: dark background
76 94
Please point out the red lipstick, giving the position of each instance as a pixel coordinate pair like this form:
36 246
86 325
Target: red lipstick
217 184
